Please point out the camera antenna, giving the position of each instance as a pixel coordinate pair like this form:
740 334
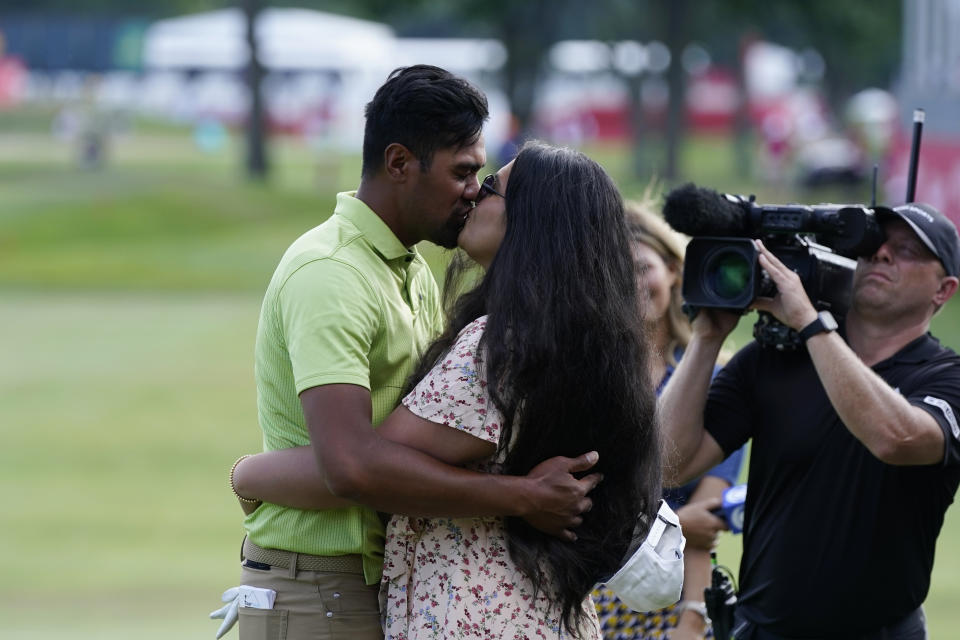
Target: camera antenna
873 190
918 118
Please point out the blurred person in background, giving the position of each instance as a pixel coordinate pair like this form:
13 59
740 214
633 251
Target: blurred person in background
544 357
348 313
658 253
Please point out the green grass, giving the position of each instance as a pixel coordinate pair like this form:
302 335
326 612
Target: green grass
128 306
120 415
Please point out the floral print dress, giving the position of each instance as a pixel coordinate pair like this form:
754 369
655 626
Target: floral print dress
451 578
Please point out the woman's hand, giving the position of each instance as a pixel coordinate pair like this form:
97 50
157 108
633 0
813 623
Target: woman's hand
701 527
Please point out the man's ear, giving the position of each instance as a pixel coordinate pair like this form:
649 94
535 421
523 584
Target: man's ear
398 161
948 286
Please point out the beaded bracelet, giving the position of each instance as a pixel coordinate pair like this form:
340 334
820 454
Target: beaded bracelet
234 489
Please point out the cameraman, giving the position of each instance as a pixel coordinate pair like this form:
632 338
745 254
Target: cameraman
856 444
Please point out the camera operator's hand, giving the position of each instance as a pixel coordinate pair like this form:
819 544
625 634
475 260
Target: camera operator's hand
714 324
790 305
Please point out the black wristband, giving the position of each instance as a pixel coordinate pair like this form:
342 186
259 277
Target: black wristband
824 323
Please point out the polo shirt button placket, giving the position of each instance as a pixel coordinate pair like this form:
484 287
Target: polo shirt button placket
413 301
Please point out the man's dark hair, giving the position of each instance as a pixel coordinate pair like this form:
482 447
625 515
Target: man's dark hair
566 363
424 108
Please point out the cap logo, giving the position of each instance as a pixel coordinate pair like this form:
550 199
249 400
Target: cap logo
917 210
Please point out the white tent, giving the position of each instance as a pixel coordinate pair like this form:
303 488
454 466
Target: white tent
306 40
290 39
316 61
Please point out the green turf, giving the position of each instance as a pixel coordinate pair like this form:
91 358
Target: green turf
128 305
120 415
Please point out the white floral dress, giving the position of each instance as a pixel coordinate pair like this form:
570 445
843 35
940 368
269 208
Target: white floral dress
447 578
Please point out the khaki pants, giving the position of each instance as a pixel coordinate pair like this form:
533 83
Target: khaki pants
311 605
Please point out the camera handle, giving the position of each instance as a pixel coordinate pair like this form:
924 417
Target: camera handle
770 332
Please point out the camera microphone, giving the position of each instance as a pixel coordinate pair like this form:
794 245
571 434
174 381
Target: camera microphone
696 211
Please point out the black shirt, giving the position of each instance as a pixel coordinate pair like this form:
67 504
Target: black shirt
836 542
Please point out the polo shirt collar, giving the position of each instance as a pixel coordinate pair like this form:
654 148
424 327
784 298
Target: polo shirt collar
373 228
919 350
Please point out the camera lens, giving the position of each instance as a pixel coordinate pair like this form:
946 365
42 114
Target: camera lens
728 274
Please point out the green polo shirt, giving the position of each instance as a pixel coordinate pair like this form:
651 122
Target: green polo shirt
348 303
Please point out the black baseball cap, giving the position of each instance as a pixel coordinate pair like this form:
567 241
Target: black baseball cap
934 229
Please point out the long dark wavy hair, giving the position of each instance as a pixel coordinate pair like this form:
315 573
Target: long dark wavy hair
566 362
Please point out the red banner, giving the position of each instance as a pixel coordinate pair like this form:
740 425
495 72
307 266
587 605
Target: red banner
938 174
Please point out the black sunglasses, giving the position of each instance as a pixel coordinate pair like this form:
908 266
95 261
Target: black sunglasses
486 187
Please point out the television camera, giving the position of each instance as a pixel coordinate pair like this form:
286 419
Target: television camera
818 242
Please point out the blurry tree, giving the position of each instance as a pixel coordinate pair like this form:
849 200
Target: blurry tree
677 40
859 40
528 29
157 8
256 160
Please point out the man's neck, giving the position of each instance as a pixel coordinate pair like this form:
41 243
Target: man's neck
875 340
380 201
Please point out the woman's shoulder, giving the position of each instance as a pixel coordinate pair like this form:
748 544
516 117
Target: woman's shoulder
475 326
470 335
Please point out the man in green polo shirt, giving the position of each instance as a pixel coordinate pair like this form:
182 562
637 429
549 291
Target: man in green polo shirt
349 310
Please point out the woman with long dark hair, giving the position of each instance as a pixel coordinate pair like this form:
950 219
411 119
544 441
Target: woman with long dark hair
545 356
